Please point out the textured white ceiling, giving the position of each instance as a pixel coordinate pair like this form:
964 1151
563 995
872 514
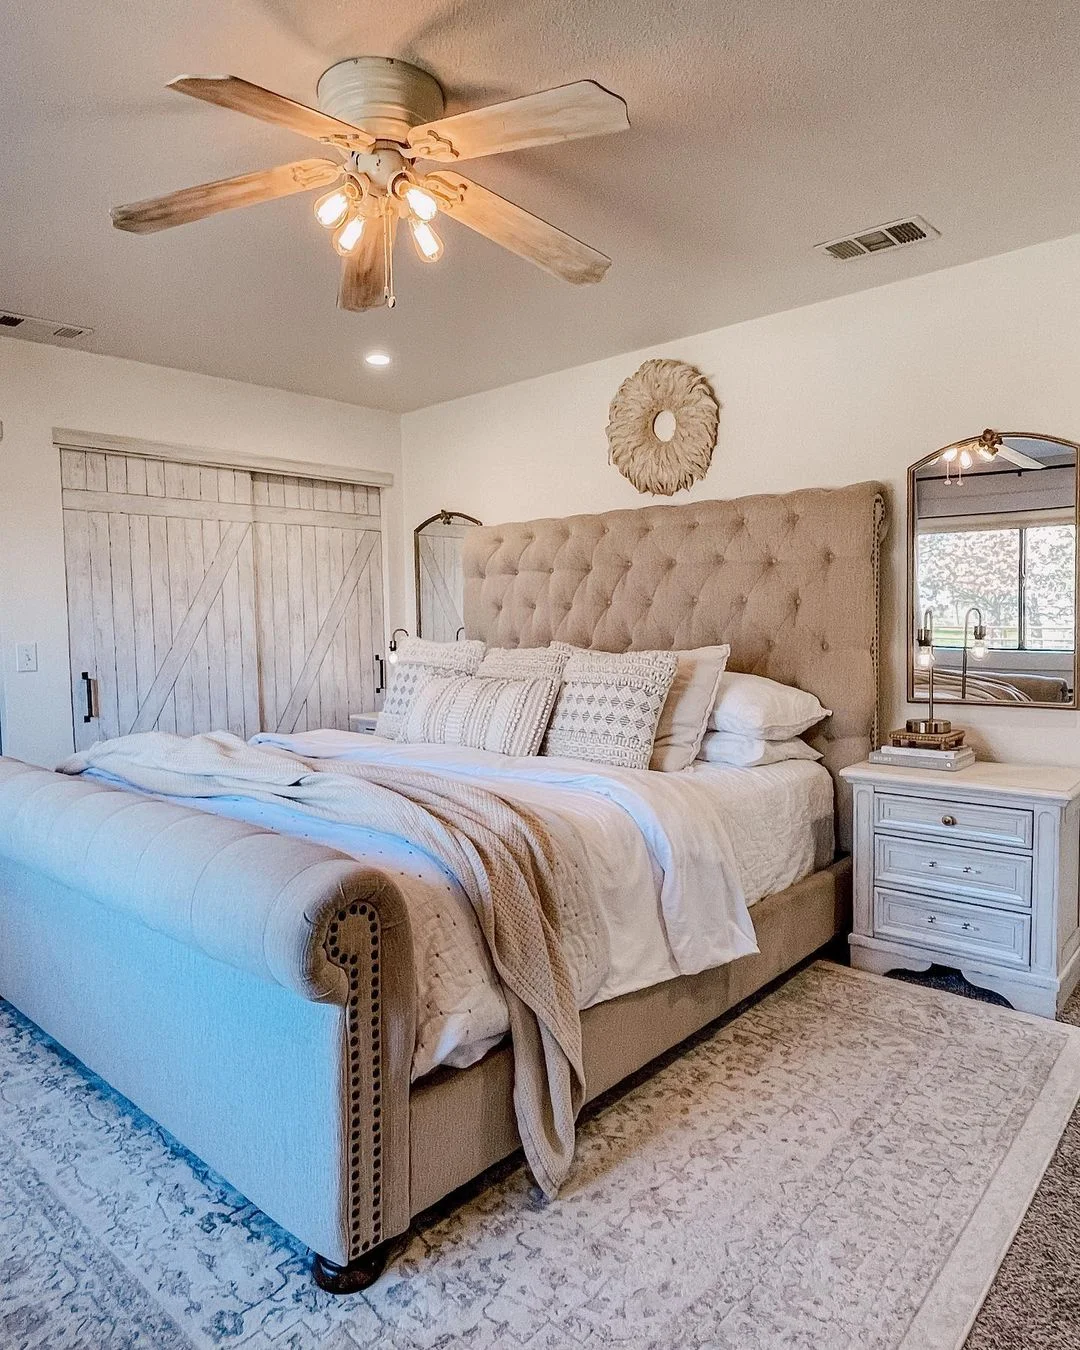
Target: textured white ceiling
757 131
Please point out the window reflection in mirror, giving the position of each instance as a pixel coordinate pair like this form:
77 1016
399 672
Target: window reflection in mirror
993 544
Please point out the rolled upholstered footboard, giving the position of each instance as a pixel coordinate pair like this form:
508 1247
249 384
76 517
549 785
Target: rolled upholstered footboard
251 992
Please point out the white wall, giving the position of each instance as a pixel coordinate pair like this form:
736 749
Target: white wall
851 389
42 388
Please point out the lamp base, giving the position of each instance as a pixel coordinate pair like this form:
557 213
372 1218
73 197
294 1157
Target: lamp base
928 726
927 733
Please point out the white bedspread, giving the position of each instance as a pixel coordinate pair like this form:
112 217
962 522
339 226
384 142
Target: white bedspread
678 858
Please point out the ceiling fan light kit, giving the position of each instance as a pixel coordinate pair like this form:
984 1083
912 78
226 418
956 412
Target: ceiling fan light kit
385 115
990 446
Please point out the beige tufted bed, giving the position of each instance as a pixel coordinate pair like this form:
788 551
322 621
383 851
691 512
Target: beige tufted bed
274 976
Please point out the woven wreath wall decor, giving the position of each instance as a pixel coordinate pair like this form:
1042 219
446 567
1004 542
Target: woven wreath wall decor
652 463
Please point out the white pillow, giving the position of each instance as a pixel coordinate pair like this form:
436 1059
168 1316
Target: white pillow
751 705
484 712
747 752
685 715
418 660
609 707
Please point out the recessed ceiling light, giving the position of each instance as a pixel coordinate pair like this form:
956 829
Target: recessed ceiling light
377 359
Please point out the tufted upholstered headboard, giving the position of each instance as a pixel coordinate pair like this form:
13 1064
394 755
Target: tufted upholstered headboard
791 581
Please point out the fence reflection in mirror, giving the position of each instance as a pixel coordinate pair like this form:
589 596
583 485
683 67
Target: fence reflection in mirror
992 551
437 544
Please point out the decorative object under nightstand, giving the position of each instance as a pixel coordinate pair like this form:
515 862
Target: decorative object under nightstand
977 870
363 722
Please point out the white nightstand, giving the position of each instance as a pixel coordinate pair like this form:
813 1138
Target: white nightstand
363 722
976 870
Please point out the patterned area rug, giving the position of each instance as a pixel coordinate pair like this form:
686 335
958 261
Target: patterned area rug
843 1164
1034 1301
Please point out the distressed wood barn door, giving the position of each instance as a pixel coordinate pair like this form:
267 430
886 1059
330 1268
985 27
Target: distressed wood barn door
204 598
318 569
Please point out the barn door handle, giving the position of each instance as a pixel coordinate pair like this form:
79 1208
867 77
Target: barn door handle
380 666
89 683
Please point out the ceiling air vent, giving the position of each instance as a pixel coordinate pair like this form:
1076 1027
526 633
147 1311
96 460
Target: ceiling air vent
40 330
878 239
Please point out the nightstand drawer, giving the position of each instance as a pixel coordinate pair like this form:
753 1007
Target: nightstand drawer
940 817
967 930
1000 878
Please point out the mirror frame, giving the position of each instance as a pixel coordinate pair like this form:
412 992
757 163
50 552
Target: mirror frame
442 518
911 624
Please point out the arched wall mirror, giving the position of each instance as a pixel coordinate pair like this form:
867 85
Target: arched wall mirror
992 572
437 545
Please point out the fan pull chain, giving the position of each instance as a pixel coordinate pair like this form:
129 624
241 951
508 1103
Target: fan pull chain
388 260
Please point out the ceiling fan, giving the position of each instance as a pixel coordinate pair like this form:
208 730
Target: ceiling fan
386 115
989 447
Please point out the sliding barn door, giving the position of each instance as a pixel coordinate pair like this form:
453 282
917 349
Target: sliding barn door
204 598
319 600
161 596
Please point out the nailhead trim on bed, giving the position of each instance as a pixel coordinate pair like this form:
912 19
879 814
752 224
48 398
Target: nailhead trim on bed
364 1019
880 525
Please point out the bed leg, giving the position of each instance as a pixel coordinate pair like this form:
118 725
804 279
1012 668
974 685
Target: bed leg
357 1275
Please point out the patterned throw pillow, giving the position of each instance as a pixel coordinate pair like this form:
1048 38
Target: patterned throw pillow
609 707
525 663
483 712
418 660
690 700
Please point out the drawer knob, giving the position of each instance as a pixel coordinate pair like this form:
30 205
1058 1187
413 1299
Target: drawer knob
931 918
966 927
948 820
931 863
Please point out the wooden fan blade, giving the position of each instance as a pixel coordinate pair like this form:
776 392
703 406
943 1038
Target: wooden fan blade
514 228
207 199
228 91
1018 458
363 273
563 114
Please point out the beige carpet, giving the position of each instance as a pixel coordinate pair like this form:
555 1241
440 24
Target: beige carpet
842 1165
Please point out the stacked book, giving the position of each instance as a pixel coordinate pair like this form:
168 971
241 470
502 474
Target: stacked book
917 758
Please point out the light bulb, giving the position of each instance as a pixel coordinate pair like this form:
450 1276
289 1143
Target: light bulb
422 204
392 658
348 237
924 657
428 244
949 455
965 459
978 648
986 454
332 208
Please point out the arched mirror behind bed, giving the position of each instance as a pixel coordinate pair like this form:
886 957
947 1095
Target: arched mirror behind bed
992 579
437 544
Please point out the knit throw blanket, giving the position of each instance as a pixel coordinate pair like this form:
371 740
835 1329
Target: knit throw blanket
503 855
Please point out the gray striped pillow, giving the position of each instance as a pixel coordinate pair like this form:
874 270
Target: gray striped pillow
482 712
524 663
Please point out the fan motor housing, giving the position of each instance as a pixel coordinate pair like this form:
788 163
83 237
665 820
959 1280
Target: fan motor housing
384 96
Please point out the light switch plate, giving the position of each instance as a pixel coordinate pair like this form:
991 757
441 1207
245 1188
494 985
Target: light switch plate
26 657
